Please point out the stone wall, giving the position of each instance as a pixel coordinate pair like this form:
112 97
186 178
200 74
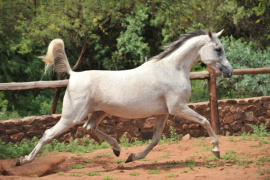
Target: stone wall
235 115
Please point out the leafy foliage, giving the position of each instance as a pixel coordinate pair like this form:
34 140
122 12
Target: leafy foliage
130 43
121 35
244 55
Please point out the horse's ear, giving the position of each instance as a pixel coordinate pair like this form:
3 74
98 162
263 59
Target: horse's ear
219 33
210 34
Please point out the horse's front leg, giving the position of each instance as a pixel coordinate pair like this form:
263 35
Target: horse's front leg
158 129
185 112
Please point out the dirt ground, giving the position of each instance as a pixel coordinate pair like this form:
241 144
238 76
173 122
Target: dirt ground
188 159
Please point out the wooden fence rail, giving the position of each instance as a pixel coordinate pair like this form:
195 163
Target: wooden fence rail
210 75
17 86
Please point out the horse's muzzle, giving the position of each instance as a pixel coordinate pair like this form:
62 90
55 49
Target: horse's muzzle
227 73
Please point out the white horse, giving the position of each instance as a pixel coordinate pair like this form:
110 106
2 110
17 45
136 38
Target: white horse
158 87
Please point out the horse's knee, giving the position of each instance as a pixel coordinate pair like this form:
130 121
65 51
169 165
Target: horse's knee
205 122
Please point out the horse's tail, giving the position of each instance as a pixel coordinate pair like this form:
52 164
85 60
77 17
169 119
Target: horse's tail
56 57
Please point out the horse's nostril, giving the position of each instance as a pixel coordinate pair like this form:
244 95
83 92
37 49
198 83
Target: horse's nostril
229 75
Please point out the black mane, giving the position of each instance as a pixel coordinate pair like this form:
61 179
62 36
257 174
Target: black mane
176 44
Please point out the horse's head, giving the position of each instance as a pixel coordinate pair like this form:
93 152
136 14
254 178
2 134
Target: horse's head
213 54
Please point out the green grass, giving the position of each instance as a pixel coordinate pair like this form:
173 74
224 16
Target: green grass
76 174
172 175
107 177
229 156
86 160
264 159
135 173
211 158
171 164
259 145
93 174
145 159
124 142
77 166
191 164
243 163
25 147
238 160
210 166
259 134
60 174
118 161
231 139
154 171
174 137
165 155
260 171
206 148
104 154
34 175
200 142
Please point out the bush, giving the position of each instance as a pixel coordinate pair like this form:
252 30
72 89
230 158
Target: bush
243 55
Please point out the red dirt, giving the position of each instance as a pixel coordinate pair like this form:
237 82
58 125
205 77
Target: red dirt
166 158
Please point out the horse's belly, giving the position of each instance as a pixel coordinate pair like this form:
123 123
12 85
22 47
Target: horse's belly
139 110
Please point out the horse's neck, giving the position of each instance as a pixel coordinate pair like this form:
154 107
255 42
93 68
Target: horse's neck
188 54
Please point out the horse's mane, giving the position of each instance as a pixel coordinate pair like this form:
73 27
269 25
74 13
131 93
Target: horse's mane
171 47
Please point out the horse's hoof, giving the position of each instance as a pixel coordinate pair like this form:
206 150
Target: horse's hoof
130 158
116 152
216 153
18 163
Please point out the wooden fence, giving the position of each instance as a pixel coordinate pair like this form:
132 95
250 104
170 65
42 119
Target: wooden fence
210 75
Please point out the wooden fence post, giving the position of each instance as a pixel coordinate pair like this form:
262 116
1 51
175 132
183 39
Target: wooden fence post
212 89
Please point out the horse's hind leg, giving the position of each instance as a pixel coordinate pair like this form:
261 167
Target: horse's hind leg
70 116
92 124
191 115
49 134
158 129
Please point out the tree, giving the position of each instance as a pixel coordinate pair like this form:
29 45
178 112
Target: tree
110 34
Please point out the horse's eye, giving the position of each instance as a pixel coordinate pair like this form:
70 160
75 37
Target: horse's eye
219 50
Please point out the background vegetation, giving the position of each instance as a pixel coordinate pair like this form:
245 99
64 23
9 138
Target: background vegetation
121 34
